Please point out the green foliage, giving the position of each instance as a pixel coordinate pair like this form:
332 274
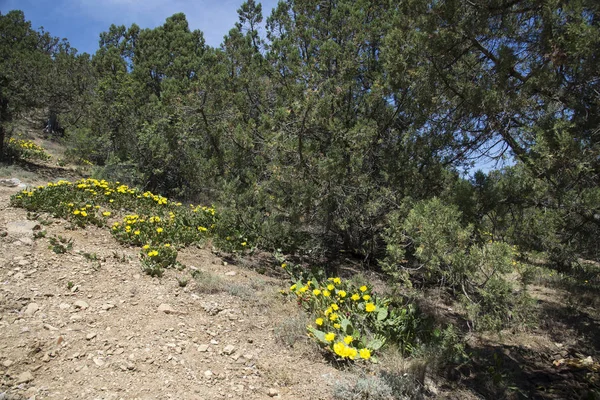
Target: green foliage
157 258
22 149
59 244
350 321
444 252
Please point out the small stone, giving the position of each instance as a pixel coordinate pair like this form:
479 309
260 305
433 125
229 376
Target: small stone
7 363
31 309
231 273
98 361
24 377
273 392
81 304
26 241
59 340
74 289
229 349
208 374
46 358
167 309
90 336
108 306
203 348
50 327
64 306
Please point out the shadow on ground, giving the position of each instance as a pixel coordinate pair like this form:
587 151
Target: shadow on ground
569 371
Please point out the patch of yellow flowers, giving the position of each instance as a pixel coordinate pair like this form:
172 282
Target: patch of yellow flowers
345 316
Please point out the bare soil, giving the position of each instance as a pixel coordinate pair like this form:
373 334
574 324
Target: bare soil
221 345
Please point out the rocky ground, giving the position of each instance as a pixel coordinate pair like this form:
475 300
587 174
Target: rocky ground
88 324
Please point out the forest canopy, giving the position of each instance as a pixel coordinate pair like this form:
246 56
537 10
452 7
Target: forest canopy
345 127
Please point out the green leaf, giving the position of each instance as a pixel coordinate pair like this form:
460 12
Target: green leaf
320 335
382 313
347 326
376 343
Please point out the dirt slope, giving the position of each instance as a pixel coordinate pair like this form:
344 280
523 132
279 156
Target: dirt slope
77 327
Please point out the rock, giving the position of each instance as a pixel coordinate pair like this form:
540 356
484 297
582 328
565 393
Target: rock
229 349
167 309
90 336
26 241
64 306
108 306
203 348
21 228
46 358
24 377
59 340
11 182
7 363
81 304
98 361
50 327
273 392
231 273
31 309
208 374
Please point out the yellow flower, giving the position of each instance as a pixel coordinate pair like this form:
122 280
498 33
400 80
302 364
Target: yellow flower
283 265
355 297
365 354
106 213
366 297
333 317
337 326
335 307
303 289
340 349
293 287
83 213
351 352
136 232
152 253
370 307
330 287
348 339
167 245
316 292
202 229
363 288
244 243
330 337
145 247
326 293
342 293
319 321
328 311
76 212
337 281
159 230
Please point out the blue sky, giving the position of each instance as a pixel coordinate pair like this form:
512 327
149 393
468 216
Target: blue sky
81 21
